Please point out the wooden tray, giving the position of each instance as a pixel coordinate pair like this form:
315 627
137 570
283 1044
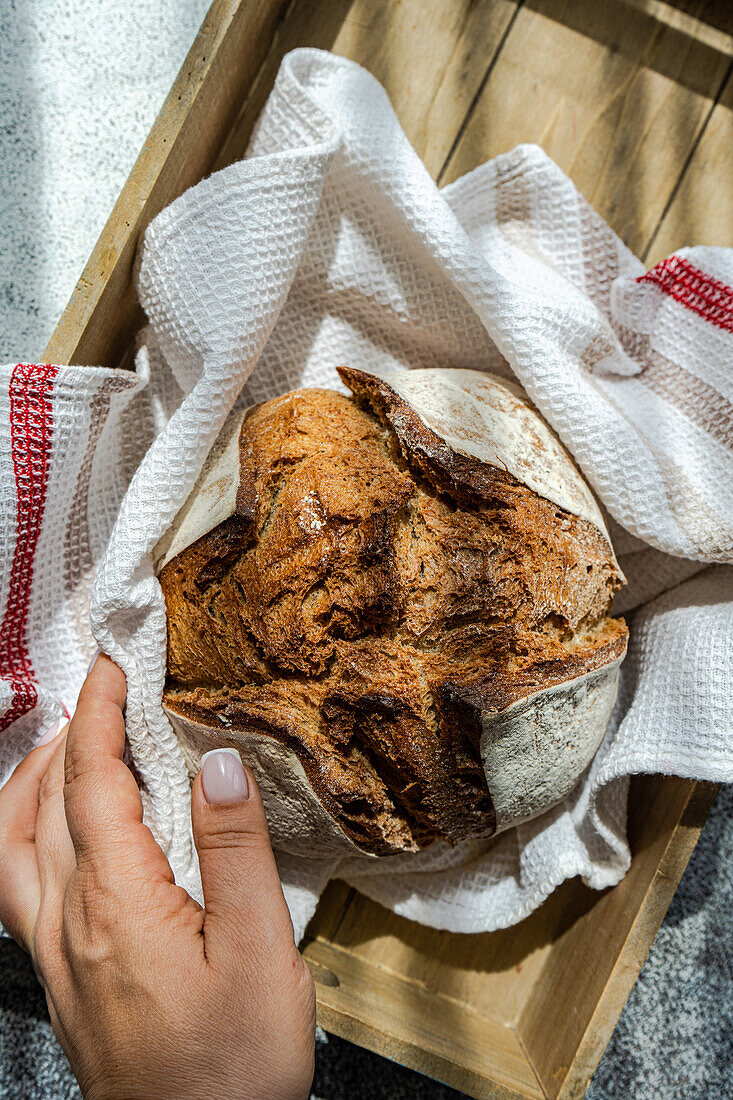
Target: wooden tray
634 99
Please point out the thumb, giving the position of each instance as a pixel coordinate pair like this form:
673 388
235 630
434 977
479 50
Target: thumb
245 908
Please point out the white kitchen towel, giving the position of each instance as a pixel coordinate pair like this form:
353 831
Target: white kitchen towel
329 243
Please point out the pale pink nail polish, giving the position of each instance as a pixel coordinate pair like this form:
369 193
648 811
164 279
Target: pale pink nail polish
96 653
223 776
53 731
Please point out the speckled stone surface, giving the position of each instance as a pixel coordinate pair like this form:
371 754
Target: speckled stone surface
80 84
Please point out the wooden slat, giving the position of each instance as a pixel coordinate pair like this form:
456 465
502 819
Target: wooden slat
102 316
493 972
615 96
431 57
701 209
641 934
418 1027
710 22
592 967
332 907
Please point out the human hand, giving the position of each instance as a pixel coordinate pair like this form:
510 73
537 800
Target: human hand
150 995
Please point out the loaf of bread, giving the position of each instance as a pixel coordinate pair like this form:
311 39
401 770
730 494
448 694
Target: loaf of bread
395 605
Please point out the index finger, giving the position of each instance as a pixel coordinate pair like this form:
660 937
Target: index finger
103 808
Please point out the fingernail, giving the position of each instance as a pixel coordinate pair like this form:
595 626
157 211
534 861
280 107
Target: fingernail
53 731
97 651
223 776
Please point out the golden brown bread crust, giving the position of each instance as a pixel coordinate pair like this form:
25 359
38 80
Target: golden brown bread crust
375 592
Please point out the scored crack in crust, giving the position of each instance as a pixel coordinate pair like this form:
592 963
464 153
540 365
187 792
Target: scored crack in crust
372 597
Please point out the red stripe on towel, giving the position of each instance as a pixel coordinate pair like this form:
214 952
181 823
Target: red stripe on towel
31 424
695 289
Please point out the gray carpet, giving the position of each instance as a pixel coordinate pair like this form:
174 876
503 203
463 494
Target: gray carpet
80 84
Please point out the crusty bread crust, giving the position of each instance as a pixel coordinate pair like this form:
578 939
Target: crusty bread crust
373 596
